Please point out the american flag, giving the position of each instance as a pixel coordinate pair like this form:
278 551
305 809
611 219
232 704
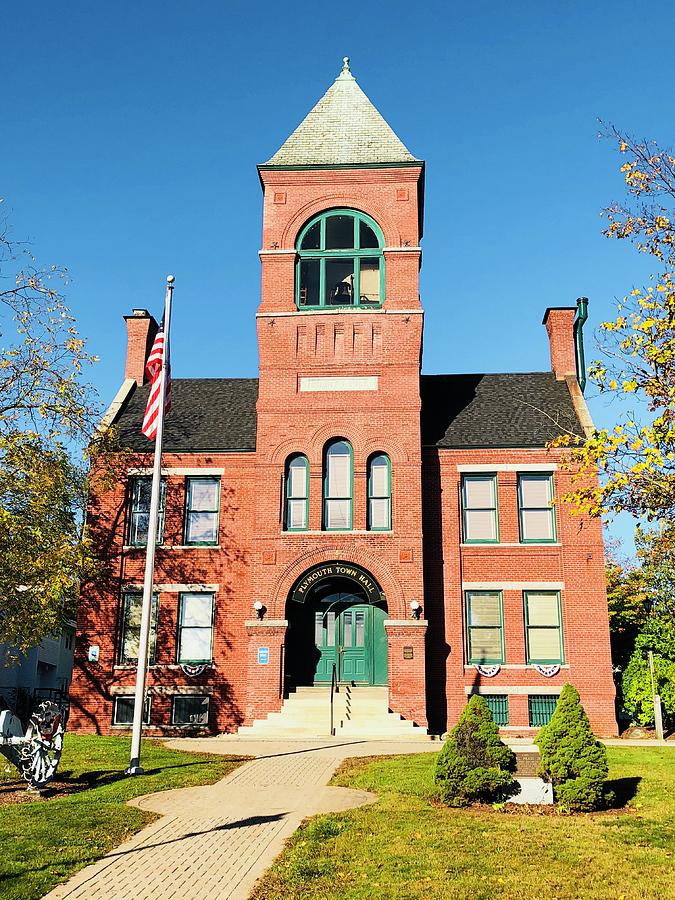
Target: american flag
153 370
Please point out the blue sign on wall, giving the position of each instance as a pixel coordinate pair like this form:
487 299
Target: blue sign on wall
263 656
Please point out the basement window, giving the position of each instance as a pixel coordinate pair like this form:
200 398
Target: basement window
190 709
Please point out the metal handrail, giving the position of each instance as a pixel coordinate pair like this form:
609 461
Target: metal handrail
334 689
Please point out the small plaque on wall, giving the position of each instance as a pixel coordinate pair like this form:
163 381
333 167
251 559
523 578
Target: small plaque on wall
408 653
263 656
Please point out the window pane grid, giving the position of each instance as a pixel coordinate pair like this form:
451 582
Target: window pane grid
535 508
345 267
479 502
485 627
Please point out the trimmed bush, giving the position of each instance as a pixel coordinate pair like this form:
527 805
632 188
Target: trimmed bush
475 764
571 758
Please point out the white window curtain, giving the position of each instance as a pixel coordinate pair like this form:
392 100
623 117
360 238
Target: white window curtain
196 628
297 488
338 509
543 627
480 512
536 510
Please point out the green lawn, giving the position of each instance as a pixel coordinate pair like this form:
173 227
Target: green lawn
43 842
407 846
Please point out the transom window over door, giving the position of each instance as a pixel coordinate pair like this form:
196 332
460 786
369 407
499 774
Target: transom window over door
340 261
337 486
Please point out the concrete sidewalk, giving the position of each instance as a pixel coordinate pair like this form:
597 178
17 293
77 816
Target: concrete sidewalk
216 840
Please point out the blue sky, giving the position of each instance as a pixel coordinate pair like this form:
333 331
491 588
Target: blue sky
132 131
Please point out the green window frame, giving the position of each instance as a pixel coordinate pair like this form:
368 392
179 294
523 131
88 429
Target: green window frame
540 708
338 486
379 492
480 508
130 628
194 644
202 512
340 261
536 513
485 627
123 709
498 704
296 489
139 510
190 709
543 627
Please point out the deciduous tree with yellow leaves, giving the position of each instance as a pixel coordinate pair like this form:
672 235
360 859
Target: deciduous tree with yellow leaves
636 459
47 415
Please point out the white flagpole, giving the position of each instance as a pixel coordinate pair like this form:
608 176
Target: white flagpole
135 767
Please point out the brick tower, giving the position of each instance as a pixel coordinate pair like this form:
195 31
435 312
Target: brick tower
340 337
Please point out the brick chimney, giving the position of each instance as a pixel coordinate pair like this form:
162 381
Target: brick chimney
141 331
559 322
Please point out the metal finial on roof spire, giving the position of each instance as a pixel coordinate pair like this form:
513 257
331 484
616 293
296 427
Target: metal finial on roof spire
346 72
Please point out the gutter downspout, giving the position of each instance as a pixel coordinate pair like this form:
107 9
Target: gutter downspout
579 322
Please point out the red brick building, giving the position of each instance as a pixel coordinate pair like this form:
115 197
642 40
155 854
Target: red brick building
343 514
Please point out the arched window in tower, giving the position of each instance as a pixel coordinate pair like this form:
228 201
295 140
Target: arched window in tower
340 261
379 493
337 486
296 513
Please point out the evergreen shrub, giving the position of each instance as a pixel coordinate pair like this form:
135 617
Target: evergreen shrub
475 764
572 760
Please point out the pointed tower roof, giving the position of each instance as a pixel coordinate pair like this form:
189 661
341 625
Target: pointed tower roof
343 129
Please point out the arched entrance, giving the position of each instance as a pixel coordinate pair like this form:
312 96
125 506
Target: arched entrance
336 614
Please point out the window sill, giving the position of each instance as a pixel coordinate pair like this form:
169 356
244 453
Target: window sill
131 725
127 547
131 667
334 531
505 544
470 667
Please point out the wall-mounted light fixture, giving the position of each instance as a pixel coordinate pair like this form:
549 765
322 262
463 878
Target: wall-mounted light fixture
415 609
259 609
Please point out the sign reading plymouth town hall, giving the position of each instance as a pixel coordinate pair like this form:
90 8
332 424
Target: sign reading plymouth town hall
343 517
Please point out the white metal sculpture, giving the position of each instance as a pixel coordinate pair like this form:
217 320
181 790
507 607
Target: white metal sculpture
36 751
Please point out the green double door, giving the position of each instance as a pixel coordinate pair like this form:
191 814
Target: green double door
353 640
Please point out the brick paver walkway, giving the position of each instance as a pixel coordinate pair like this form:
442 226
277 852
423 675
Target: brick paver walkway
216 840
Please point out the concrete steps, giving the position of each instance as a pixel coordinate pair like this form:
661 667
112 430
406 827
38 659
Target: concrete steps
359 711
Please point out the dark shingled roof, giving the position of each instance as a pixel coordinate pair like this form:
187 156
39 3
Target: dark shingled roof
520 409
206 414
